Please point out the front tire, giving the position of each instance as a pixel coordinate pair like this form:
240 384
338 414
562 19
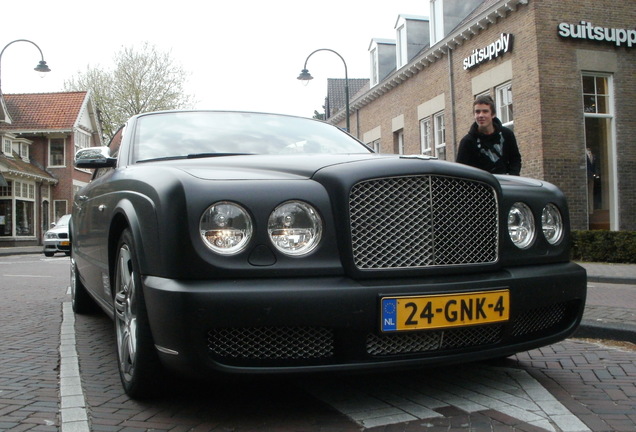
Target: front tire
81 301
139 367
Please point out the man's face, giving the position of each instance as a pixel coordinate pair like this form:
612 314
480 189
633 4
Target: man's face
483 116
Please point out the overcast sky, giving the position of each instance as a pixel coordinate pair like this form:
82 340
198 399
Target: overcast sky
241 55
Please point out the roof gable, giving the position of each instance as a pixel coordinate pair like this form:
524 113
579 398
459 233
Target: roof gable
44 111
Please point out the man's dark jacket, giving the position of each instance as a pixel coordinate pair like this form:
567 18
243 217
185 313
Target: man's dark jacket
496 153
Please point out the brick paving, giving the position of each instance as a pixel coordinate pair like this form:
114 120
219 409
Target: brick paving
593 381
29 358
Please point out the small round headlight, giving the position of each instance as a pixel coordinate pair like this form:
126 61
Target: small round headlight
295 228
552 224
226 228
521 225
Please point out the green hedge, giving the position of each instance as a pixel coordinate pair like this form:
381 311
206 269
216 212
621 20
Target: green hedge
604 246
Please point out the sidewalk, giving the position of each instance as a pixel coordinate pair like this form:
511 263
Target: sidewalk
610 310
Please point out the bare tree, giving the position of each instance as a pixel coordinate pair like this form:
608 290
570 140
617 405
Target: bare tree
142 80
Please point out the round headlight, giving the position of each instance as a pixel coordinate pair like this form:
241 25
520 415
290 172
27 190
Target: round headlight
521 225
295 228
226 228
552 224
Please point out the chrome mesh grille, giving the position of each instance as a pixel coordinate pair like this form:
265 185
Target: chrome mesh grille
421 221
271 343
436 340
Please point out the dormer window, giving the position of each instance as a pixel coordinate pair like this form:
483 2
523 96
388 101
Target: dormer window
7 147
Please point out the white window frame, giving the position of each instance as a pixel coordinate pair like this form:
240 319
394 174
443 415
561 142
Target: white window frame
7 146
440 134
399 136
503 100
612 162
426 138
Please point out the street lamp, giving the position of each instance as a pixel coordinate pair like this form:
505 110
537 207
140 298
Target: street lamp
41 67
306 76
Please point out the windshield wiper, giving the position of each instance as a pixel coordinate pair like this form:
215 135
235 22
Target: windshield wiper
193 156
206 155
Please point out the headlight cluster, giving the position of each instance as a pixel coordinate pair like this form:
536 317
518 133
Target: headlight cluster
521 225
294 228
51 235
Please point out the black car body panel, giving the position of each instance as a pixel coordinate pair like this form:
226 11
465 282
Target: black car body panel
260 310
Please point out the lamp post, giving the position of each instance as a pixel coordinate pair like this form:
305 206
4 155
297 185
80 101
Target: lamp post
41 67
306 76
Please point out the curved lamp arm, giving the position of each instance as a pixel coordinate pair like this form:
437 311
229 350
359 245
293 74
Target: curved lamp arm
305 75
41 67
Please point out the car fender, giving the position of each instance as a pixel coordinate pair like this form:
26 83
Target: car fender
128 213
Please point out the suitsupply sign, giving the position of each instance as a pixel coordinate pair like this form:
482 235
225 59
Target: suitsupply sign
489 52
586 30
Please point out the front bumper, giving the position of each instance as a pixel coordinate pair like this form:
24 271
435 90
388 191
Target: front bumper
313 324
58 245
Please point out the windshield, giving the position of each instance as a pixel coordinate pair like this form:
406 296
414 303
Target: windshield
209 133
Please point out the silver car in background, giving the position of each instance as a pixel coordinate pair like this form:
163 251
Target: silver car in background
56 239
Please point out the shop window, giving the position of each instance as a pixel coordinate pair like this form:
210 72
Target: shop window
504 104
24 218
599 150
56 152
6 217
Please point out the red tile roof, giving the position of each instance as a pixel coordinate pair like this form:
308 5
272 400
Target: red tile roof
43 111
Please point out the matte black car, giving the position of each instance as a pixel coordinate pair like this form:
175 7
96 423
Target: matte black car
256 243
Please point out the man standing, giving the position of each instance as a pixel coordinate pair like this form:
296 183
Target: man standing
489 145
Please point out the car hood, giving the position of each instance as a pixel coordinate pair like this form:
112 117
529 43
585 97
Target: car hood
267 167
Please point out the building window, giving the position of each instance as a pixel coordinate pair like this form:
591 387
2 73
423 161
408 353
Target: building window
7 191
426 136
375 71
600 151
59 209
398 142
81 140
24 215
6 147
401 46
6 217
56 152
374 145
504 104
440 135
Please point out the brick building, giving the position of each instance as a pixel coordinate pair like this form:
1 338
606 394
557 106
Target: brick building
569 66
39 134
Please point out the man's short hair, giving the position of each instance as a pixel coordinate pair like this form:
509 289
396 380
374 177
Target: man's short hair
485 100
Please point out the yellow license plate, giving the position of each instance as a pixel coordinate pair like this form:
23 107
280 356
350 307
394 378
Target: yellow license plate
443 311
64 243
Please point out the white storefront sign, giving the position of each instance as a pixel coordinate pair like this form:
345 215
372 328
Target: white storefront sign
586 30
487 53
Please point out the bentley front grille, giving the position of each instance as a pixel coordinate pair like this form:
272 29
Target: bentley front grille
423 221
271 343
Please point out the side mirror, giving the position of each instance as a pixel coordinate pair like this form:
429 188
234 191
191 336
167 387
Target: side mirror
94 157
